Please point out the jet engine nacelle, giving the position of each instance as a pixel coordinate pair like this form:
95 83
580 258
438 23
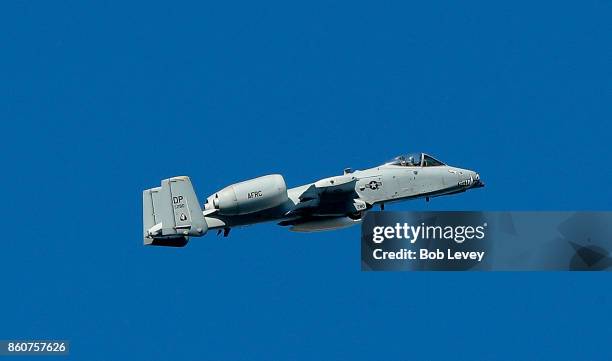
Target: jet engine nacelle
251 196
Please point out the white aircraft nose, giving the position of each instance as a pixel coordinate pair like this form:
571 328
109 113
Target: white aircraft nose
469 178
476 182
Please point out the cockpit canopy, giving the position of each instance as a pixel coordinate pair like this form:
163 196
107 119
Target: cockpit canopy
415 160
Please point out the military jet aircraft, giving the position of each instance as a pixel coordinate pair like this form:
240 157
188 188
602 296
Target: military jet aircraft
172 213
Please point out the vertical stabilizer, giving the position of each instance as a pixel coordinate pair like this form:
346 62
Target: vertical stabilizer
171 213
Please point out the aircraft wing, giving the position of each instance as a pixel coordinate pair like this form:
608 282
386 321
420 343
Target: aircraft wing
332 196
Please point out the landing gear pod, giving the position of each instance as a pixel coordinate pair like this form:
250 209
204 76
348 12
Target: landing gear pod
171 213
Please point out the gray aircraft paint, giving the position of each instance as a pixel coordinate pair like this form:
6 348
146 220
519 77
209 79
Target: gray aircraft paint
172 213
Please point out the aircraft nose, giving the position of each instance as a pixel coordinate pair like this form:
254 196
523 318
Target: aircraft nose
478 183
470 179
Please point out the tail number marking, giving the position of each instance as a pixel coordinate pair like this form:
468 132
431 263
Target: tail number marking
178 202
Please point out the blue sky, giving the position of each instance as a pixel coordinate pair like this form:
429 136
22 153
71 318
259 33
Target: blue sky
100 100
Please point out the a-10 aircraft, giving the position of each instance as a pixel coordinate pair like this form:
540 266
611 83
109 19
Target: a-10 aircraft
172 213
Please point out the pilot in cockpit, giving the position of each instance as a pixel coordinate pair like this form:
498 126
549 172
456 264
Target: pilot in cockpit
415 160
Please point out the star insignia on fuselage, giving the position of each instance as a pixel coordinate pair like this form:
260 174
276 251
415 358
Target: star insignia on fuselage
373 185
